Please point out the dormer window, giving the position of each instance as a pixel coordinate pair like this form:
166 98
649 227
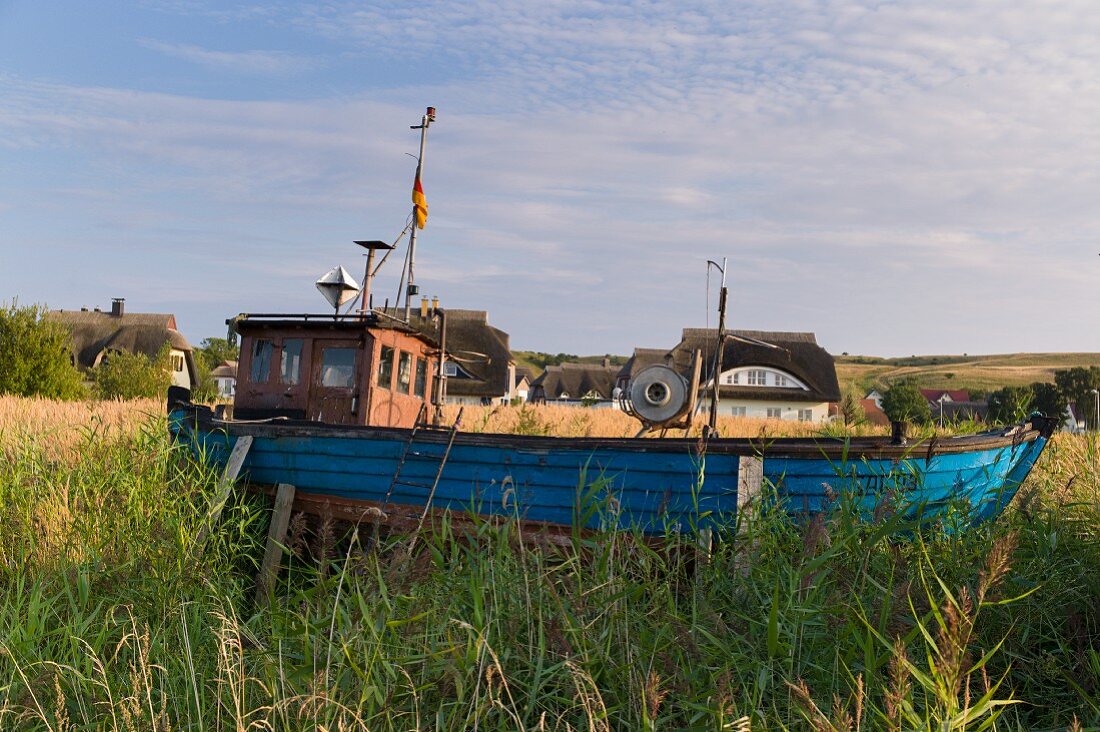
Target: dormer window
755 376
450 368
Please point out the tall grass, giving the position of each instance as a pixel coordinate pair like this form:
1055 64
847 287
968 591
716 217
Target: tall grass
109 618
551 419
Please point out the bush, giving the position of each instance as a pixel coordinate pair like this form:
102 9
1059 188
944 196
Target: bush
133 375
903 402
1010 404
36 356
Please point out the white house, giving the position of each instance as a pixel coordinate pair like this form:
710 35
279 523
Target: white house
225 379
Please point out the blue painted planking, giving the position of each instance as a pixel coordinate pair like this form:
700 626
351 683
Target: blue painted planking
651 490
987 479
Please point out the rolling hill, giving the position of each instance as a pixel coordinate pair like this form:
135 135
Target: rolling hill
984 373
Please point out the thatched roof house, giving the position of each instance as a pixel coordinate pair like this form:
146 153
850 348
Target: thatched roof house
796 357
575 381
480 364
779 375
96 334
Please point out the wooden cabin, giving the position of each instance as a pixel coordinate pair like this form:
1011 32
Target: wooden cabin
357 370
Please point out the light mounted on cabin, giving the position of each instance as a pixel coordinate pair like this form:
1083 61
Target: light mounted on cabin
338 287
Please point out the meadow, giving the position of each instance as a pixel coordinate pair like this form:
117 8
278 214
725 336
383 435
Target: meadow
113 618
987 372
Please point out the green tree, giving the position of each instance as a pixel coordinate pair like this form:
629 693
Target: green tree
208 356
124 375
1076 386
1010 404
213 351
903 402
851 408
1048 399
36 355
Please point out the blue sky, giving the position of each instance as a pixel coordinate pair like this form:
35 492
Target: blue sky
897 177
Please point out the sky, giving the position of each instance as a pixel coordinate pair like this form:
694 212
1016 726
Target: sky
897 177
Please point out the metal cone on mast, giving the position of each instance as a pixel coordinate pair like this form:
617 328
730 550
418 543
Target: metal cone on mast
411 288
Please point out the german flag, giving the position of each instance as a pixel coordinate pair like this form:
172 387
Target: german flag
420 204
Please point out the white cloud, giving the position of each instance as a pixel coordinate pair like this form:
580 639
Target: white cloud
240 62
863 164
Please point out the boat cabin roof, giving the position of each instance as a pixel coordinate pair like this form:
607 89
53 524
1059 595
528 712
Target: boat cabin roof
247 323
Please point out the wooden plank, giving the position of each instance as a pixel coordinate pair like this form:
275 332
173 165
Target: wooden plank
276 539
750 476
225 486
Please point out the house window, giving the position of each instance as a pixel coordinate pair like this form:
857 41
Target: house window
805 415
421 383
730 378
177 363
261 361
338 367
739 411
780 380
736 378
775 412
385 367
404 372
450 369
757 377
292 361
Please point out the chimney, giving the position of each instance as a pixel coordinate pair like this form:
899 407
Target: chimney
118 306
606 361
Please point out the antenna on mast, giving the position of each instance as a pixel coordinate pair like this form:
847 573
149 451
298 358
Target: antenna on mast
411 289
712 420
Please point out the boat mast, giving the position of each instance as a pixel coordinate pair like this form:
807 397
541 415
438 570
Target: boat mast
410 289
717 367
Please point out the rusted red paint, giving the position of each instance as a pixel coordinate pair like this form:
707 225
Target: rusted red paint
337 373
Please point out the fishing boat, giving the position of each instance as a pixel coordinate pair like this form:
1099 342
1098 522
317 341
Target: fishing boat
347 408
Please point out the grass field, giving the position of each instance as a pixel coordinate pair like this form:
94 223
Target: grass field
111 618
988 373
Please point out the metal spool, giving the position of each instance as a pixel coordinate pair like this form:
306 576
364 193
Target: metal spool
658 394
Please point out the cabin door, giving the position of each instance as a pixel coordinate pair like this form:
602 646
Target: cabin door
334 384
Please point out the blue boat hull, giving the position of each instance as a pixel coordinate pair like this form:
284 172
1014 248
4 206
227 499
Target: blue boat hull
652 486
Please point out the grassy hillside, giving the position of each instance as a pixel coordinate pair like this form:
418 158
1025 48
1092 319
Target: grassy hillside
958 372
537 361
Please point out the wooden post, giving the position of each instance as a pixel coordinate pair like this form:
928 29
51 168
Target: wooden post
221 495
276 537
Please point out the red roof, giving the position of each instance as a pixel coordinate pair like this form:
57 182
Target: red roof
873 413
956 395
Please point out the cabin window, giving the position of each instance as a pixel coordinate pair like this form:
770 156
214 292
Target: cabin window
177 363
404 372
775 412
739 411
261 360
421 384
805 415
385 367
338 367
292 361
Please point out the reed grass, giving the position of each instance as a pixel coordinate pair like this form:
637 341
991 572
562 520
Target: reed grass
560 421
109 619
